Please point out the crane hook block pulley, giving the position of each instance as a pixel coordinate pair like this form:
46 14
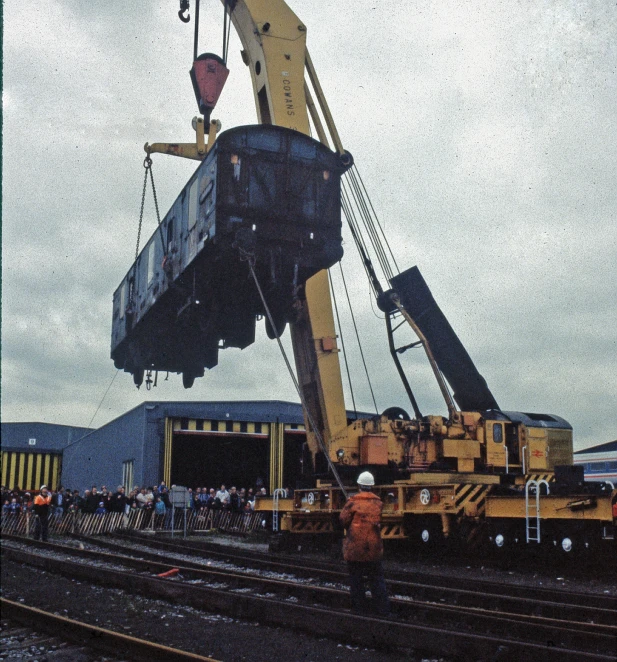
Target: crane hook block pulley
208 75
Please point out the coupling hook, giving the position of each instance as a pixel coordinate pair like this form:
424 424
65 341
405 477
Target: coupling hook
184 7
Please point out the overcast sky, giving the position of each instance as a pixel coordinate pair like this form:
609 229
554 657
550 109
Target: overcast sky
485 132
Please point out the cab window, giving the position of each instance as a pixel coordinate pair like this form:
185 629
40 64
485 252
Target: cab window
497 433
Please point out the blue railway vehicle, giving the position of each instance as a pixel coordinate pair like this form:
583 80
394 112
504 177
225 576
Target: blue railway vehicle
263 193
599 463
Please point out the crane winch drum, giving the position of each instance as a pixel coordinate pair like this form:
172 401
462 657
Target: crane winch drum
264 194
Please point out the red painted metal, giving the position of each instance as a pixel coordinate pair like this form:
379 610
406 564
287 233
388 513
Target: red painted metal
208 74
170 573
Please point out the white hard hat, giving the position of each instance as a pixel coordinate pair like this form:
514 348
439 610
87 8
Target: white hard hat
366 479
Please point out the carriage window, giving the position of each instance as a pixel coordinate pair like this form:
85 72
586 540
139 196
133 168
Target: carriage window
497 433
123 299
170 234
151 257
193 204
237 163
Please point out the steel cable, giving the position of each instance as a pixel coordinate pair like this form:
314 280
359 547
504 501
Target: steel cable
250 259
340 330
103 398
368 225
383 234
353 318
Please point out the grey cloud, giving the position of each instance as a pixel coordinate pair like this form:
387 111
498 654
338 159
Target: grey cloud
484 133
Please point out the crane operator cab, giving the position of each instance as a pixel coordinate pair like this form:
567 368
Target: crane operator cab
520 442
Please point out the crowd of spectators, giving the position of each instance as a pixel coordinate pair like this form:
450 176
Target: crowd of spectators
200 500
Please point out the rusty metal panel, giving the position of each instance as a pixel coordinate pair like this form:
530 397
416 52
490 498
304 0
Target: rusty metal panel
374 449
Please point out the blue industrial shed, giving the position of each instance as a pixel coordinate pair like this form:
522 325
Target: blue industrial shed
32 453
39 436
184 443
190 443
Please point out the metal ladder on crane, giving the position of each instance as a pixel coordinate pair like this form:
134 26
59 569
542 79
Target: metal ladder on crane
532 509
278 493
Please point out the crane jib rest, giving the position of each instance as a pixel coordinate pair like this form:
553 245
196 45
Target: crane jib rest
263 193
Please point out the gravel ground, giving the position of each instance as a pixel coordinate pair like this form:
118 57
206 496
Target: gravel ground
586 579
229 639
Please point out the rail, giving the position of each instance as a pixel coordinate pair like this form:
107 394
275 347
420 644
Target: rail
560 640
94 636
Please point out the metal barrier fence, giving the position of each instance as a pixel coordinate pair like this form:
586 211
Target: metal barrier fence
137 520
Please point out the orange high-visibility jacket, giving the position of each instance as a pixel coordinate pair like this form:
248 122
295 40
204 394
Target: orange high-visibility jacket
361 516
41 505
40 500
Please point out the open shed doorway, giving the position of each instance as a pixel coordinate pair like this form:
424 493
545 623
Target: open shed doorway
202 459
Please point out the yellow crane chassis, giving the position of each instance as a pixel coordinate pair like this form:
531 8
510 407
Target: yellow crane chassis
442 506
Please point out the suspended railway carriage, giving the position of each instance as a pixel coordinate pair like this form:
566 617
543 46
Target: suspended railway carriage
264 194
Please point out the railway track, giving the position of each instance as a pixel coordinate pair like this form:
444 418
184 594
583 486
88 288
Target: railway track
422 580
556 629
29 632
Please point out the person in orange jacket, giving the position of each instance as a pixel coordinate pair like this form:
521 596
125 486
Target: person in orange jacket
42 501
363 548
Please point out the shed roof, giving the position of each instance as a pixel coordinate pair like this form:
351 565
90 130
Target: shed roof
46 436
265 411
600 448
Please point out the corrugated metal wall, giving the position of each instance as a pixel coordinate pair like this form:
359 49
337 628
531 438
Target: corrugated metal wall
29 471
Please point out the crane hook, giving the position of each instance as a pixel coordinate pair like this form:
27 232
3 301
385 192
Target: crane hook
184 7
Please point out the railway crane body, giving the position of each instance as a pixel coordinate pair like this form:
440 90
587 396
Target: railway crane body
477 472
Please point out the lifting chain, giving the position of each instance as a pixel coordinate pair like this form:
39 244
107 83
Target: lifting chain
147 165
148 168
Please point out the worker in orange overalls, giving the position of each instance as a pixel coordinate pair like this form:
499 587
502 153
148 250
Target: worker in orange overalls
42 501
363 548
